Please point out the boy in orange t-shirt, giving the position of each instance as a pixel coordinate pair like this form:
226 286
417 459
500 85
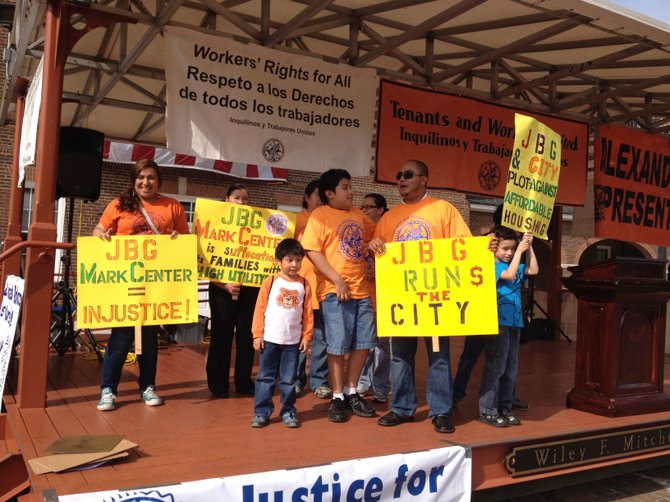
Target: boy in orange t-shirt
335 240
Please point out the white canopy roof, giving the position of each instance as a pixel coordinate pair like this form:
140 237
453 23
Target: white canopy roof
585 59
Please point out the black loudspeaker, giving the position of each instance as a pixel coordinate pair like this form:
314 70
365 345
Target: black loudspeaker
79 163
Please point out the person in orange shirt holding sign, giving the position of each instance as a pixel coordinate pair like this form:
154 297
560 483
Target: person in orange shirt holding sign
318 365
140 209
335 240
420 216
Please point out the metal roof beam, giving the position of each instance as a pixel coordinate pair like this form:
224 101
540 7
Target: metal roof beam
560 27
577 69
125 64
233 18
304 15
420 30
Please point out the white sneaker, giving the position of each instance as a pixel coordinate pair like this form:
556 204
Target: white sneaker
150 397
107 399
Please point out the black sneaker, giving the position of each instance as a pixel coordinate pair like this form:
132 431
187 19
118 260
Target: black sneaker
493 420
442 423
360 406
337 410
510 418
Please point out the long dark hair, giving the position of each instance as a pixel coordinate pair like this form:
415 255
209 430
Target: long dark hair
128 200
309 190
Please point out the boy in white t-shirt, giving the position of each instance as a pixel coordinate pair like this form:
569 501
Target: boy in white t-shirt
282 328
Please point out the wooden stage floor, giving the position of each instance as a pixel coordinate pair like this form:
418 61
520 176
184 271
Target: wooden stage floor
194 436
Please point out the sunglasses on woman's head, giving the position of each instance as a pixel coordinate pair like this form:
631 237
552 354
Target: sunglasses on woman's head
408 175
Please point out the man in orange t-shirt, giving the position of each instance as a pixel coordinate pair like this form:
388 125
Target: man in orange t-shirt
335 241
420 216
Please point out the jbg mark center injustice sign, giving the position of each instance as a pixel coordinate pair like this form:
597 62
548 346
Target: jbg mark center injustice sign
138 280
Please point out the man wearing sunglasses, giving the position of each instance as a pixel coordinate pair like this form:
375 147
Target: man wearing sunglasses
420 216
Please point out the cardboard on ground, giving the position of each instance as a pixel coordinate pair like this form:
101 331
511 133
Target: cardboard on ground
84 444
64 461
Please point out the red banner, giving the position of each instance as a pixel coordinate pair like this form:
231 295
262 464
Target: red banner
631 179
467 144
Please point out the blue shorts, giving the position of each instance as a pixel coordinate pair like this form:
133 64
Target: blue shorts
348 325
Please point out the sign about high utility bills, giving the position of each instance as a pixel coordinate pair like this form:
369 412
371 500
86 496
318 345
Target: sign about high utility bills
436 287
532 180
439 475
246 103
138 280
236 243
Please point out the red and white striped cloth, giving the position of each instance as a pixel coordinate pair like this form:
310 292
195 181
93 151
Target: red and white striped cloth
127 153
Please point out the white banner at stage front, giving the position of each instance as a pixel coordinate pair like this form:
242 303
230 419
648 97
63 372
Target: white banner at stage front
247 103
31 116
9 318
439 475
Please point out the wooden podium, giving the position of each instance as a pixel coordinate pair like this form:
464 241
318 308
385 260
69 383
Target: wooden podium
620 336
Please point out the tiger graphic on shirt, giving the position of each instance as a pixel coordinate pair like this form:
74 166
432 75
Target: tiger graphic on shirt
288 298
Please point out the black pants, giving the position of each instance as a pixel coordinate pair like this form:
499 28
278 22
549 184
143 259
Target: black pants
231 319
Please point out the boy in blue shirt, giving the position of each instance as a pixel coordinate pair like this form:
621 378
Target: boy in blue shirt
496 392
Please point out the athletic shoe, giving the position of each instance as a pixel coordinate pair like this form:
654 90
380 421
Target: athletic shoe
323 392
493 420
107 399
380 397
337 410
360 406
511 419
259 421
362 391
150 397
290 421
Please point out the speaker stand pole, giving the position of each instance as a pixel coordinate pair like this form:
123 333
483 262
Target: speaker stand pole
66 336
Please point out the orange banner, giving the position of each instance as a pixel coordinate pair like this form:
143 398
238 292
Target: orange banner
467 144
631 179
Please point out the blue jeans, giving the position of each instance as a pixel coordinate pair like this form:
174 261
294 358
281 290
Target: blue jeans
500 370
318 366
377 367
276 360
348 325
439 385
474 345
117 350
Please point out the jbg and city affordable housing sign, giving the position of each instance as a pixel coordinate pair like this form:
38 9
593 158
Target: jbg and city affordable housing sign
532 179
236 243
138 280
436 287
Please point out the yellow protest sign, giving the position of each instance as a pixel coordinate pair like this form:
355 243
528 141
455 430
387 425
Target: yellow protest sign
532 179
437 287
136 280
236 243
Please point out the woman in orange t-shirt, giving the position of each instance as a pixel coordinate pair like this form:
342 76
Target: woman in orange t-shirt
140 209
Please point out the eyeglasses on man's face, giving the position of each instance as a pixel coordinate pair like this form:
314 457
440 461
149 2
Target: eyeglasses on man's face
408 175
368 207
